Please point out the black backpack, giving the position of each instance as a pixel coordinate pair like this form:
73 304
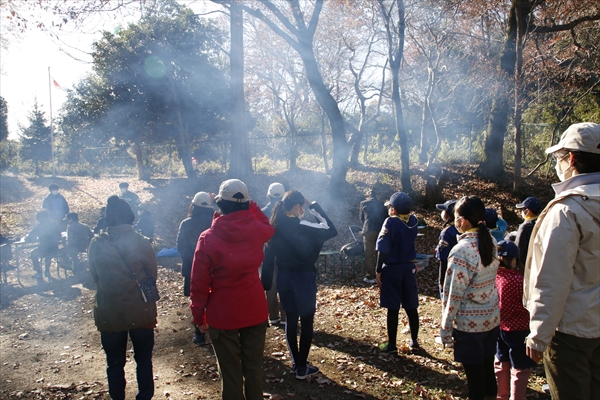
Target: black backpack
355 248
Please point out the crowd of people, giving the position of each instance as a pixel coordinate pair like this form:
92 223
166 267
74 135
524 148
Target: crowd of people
508 301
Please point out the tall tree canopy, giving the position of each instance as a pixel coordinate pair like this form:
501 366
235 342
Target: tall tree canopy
158 80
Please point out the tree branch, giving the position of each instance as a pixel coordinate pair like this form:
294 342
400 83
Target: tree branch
564 27
280 32
314 20
282 18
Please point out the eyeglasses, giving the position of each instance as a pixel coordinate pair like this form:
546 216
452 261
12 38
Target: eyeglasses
559 156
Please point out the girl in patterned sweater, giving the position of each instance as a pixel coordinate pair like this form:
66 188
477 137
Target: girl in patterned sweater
470 314
513 366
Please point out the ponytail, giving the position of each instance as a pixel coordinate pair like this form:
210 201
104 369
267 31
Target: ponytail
277 213
287 202
486 245
472 209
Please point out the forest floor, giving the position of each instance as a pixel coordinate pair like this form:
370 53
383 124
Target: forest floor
50 349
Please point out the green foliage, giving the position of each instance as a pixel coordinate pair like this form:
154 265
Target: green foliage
9 154
36 138
211 167
3 119
468 148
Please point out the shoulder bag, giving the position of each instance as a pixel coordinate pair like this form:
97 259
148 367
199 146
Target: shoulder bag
147 286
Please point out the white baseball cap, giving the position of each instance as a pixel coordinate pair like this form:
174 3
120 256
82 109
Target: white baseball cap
584 137
202 199
276 190
233 190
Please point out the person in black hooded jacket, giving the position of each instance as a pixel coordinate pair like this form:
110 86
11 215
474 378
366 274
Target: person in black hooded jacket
200 216
295 248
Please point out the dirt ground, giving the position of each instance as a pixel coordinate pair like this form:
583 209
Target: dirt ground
50 349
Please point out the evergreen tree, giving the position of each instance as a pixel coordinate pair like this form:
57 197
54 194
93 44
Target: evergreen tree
36 139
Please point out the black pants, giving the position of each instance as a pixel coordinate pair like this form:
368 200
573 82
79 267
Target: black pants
115 347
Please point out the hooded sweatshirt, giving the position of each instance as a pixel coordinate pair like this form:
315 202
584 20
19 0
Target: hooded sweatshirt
297 244
562 276
225 287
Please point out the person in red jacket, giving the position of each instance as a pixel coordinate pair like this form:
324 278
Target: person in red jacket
227 297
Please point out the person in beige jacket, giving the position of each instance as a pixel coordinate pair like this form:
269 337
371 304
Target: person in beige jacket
562 273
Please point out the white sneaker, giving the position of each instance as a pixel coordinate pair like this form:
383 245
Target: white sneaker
274 321
370 281
438 340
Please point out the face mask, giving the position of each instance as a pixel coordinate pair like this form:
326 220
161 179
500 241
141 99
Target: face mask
524 214
123 191
456 223
54 192
562 174
301 215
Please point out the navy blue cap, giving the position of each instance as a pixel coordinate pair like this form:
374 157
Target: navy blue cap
448 206
491 216
400 201
509 249
532 204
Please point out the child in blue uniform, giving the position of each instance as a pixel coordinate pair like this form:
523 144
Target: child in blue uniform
447 240
396 269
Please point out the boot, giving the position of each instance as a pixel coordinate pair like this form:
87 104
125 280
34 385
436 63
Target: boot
502 371
519 380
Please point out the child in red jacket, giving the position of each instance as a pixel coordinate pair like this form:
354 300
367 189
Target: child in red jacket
512 365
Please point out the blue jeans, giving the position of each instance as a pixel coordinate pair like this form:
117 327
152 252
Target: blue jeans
115 347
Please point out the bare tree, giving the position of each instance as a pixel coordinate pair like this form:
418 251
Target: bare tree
362 36
393 13
299 33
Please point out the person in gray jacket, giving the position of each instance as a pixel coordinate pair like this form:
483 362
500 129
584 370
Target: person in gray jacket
562 279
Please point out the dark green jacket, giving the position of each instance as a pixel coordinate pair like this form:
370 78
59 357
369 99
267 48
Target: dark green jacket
119 303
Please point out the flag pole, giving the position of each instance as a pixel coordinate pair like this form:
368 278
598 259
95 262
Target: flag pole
51 127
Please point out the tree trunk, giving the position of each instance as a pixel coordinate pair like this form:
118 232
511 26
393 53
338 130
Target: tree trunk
185 153
521 30
139 161
330 107
184 146
240 164
355 142
400 129
425 117
293 149
324 145
438 139
492 166
395 55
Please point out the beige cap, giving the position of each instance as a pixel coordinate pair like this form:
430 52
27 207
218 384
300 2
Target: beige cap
583 137
276 190
202 199
233 190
